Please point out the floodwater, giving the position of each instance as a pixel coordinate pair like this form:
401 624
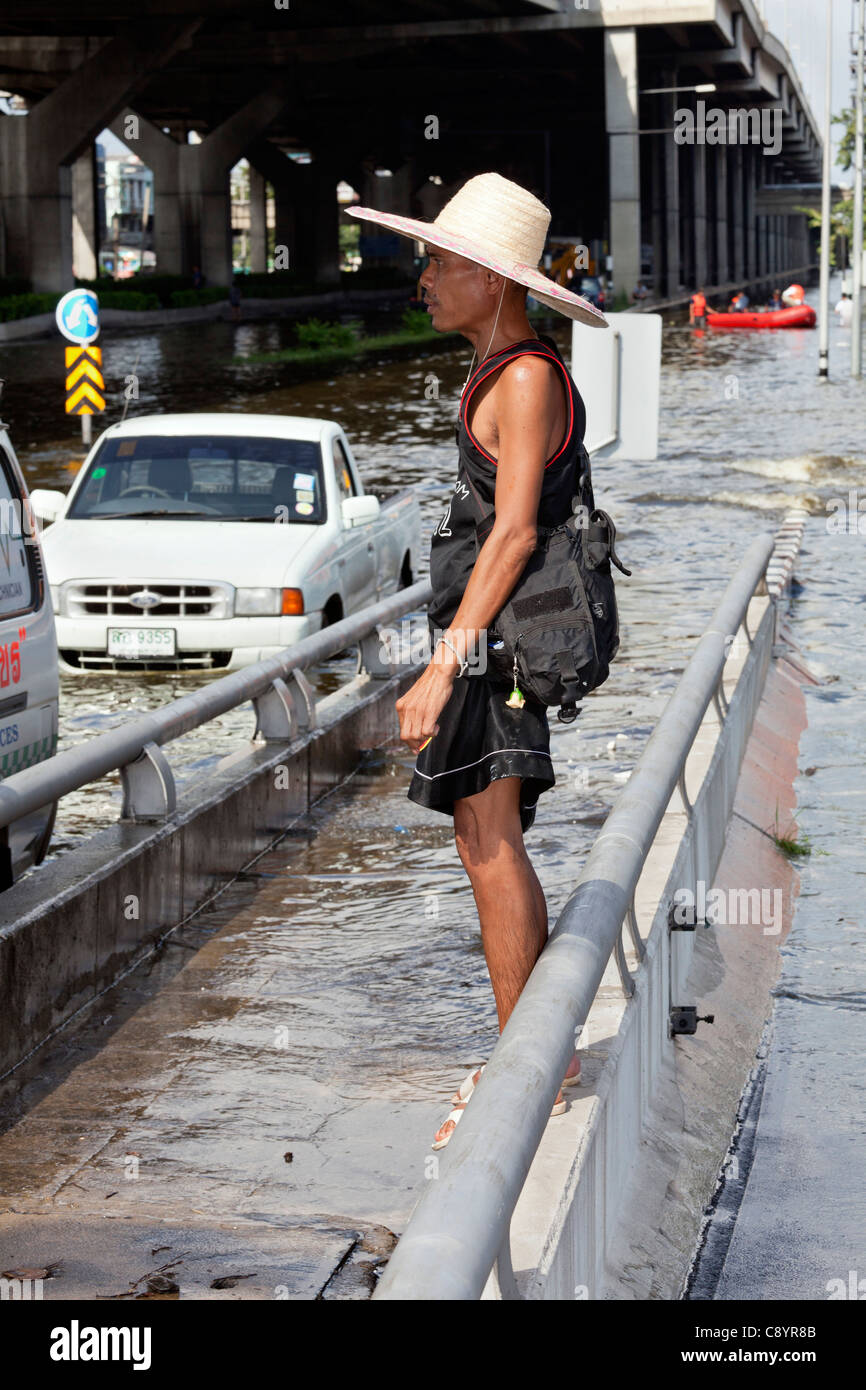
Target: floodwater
745 432
359 935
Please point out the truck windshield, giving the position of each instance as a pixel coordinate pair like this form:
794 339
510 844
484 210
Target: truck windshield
204 477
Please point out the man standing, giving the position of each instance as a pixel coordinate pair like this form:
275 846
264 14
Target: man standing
698 310
483 750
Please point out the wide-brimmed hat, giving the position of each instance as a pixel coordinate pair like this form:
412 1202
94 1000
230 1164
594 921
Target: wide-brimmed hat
499 225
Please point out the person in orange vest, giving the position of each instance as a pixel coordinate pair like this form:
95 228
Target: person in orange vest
794 295
698 310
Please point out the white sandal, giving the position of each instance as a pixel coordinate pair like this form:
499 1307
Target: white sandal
461 1096
559 1109
455 1116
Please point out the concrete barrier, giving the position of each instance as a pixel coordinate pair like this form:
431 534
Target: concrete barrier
71 928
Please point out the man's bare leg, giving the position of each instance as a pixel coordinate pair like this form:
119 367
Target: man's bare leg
511 906
510 901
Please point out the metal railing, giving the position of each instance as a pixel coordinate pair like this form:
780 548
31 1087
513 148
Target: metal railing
282 698
460 1229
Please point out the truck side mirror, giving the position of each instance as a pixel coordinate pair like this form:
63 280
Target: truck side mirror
47 503
357 511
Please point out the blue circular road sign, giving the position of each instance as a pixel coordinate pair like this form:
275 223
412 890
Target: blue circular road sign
77 316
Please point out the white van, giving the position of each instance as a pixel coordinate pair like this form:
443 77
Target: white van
29 681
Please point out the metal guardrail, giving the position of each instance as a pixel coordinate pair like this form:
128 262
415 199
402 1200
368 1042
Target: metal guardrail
282 698
459 1230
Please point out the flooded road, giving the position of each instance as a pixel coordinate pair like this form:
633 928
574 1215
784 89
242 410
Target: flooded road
326 1007
744 431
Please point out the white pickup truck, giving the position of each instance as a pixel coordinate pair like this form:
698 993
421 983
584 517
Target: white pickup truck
209 541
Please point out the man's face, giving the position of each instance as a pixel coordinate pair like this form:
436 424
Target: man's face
454 291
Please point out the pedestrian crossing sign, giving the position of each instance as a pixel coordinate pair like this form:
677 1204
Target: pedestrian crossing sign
85 388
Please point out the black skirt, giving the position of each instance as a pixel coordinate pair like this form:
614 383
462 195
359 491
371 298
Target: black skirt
480 740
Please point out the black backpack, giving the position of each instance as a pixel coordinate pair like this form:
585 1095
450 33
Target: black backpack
559 631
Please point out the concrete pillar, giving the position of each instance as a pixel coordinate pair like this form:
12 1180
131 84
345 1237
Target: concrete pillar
85 231
657 146
37 150
720 174
787 242
750 170
191 185
258 223
326 220
285 177
391 194
172 231
738 269
673 269
699 219
621 118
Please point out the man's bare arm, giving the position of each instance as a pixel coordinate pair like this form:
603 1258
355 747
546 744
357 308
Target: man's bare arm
527 395
525 406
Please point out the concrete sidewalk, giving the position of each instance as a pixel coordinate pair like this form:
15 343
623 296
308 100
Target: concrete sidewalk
246 1104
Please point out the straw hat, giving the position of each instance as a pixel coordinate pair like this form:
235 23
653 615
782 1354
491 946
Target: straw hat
500 225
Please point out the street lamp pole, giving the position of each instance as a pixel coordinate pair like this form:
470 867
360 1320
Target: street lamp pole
826 231
857 240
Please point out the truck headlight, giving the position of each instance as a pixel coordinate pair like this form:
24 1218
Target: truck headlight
257 601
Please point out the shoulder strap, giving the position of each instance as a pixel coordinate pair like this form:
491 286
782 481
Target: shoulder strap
486 514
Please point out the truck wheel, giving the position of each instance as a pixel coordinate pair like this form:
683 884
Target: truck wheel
332 612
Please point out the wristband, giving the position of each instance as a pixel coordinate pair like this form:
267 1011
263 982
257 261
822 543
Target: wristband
464 665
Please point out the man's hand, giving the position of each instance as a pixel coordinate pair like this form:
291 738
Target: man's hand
421 706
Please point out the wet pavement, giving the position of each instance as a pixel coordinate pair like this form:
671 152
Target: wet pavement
327 1007
800 1232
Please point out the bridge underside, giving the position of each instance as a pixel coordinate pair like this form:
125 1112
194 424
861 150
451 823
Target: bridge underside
544 93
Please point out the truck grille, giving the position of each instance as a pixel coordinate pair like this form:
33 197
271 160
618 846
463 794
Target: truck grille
184 661
99 599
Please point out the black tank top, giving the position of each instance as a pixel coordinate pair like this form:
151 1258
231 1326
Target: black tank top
453 551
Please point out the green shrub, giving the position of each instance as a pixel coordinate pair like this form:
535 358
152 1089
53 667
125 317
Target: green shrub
279 284
145 282
416 320
315 333
191 299
24 306
376 277
128 299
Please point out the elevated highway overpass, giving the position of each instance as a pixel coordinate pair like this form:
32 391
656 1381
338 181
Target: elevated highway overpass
580 104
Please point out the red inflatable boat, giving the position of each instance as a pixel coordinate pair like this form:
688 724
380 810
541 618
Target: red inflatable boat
800 316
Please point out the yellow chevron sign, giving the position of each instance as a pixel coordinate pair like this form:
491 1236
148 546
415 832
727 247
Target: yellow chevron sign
84 383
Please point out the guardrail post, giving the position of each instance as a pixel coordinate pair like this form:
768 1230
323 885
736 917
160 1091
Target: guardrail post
285 709
370 661
148 786
625 978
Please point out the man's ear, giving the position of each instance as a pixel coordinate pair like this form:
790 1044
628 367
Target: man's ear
493 283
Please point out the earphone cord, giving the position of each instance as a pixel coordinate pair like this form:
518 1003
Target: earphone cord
492 336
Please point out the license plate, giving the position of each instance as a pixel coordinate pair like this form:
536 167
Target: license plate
141 642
